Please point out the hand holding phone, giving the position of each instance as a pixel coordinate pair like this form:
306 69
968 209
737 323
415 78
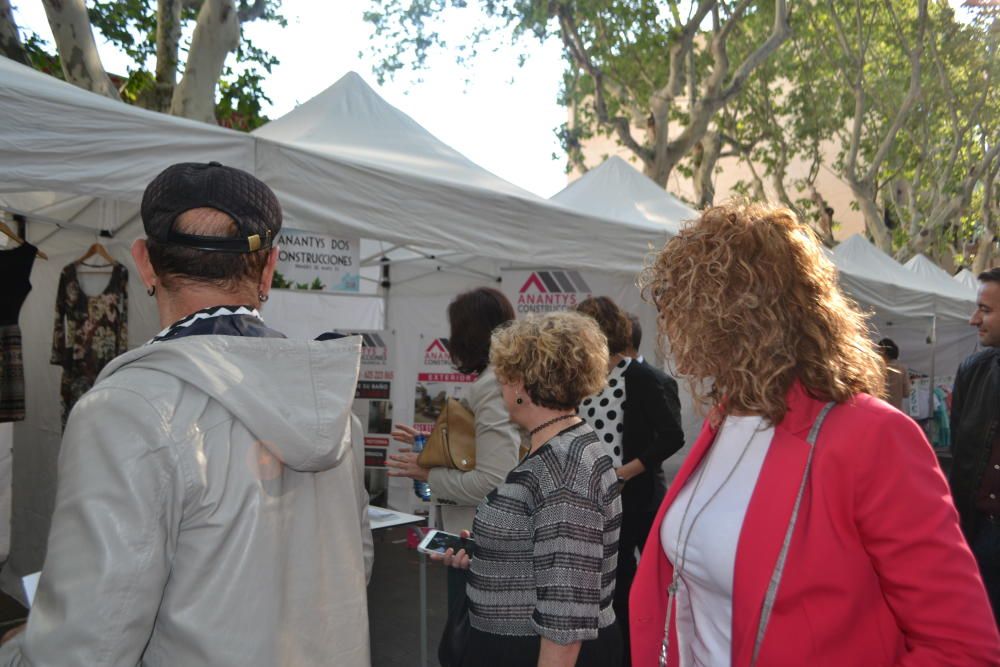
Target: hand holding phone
453 550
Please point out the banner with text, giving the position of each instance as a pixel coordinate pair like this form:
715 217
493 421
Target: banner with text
373 398
317 261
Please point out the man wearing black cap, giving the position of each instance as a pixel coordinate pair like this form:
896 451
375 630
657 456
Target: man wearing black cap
211 509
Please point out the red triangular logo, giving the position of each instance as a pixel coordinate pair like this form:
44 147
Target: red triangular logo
533 279
437 345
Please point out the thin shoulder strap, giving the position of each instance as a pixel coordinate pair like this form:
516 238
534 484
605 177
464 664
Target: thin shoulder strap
779 567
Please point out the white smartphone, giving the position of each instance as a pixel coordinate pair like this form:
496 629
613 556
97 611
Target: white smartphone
438 541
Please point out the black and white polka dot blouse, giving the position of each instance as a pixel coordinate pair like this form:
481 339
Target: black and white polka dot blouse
603 411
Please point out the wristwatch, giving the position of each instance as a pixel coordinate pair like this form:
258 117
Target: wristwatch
621 480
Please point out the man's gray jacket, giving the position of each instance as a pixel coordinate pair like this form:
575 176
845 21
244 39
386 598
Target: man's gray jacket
210 512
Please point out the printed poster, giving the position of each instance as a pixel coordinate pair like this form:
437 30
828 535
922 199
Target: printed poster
374 394
437 381
317 261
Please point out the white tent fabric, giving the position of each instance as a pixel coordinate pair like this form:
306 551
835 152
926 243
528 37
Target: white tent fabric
351 147
331 162
923 266
967 278
617 191
57 137
346 163
925 316
877 279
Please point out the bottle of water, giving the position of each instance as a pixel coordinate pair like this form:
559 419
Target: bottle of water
422 489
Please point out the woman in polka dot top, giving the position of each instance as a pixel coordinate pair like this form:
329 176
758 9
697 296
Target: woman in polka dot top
637 418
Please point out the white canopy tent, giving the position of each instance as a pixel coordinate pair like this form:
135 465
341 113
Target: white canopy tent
926 316
617 191
967 278
75 164
923 266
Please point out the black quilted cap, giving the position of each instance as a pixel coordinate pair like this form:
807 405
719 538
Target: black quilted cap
244 198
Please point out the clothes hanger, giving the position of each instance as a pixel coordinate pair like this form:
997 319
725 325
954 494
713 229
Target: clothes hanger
7 231
100 251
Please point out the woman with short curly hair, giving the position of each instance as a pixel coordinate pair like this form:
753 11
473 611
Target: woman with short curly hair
810 523
542 575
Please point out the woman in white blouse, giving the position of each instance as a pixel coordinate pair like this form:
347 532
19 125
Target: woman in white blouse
810 524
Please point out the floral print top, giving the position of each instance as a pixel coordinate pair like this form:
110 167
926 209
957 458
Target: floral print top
89 331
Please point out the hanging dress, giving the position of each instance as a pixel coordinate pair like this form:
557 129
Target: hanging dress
89 331
15 274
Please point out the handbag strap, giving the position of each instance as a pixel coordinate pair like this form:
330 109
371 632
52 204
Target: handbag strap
779 566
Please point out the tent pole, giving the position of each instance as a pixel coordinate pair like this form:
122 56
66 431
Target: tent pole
378 256
930 394
31 217
410 260
383 287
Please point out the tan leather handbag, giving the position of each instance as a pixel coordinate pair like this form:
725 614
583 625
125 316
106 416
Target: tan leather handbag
452 443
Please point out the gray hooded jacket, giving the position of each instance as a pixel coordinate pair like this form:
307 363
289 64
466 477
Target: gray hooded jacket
210 511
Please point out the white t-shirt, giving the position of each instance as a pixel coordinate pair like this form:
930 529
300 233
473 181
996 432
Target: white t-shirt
705 591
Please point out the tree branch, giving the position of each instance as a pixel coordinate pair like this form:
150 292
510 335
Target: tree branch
10 36
913 92
216 34
578 52
74 38
168 37
712 99
252 11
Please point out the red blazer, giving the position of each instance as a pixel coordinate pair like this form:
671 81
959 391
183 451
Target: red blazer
878 573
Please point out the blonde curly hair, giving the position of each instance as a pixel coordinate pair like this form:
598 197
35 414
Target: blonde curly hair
749 302
560 357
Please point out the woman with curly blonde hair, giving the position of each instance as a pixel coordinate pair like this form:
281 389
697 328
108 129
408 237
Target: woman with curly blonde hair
542 574
810 524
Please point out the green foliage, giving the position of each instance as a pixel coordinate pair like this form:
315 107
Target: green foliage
280 282
130 25
241 93
40 57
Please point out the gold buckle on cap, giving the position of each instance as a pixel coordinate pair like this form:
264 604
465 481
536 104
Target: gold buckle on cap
254 242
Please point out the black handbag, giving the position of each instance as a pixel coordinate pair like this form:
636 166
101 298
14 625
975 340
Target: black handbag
455 638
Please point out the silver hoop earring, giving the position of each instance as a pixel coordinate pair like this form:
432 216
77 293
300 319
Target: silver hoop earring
263 297
152 290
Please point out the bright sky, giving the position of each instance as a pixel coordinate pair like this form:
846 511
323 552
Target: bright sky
502 119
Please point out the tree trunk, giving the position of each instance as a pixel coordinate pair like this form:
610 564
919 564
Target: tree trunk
168 36
874 224
984 254
825 224
74 38
216 34
10 38
705 158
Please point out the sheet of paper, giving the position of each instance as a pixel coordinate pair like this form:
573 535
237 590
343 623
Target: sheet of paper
30 583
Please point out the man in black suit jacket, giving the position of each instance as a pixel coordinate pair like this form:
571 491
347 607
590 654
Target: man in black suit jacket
653 430
650 432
